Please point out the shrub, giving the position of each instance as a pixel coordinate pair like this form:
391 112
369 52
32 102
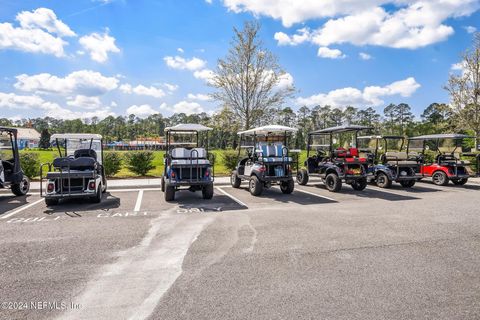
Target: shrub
230 159
30 164
112 161
140 162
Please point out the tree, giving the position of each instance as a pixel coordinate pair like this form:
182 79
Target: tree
44 142
464 89
249 79
399 116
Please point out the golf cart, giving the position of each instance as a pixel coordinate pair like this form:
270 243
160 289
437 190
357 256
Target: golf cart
187 164
11 174
78 172
389 162
333 162
267 159
448 164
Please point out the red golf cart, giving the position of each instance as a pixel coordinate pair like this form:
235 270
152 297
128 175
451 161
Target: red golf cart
449 163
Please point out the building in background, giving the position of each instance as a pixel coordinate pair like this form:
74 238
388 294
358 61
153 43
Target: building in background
28 138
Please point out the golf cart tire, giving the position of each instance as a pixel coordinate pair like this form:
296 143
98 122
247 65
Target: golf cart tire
169 193
22 188
235 180
302 177
162 183
255 186
333 182
460 182
287 186
49 202
383 181
407 183
360 184
440 178
98 196
207 192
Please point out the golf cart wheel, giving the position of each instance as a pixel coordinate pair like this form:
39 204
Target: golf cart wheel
207 191
51 202
169 193
440 178
360 184
460 182
255 186
235 180
22 188
302 177
163 184
98 196
408 183
383 181
287 186
333 182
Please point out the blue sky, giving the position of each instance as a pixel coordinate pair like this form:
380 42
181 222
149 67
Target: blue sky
71 59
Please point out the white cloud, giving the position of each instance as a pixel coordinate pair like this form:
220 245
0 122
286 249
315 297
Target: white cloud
182 63
470 29
370 96
205 74
57 112
457 66
209 1
325 52
364 56
407 24
43 18
99 45
200 97
14 101
142 111
171 87
180 50
284 81
40 32
83 82
187 107
84 102
142 90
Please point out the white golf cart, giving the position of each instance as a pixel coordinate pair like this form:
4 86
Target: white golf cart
78 172
267 160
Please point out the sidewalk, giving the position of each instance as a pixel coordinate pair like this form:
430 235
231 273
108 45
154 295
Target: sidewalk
135 183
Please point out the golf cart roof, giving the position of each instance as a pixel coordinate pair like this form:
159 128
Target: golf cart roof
265 130
75 136
381 137
341 129
441 136
188 128
7 129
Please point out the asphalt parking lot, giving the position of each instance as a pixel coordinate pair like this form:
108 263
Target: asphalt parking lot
377 254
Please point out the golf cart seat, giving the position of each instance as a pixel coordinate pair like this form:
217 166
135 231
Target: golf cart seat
85 153
397 157
349 155
183 156
451 159
272 153
80 164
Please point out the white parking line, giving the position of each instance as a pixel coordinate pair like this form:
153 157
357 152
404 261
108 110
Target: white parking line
231 197
314 194
21 209
139 201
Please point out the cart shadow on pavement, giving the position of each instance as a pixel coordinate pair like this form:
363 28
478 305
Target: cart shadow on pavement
296 197
415 189
10 202
370 193
189 202
452 186
72 207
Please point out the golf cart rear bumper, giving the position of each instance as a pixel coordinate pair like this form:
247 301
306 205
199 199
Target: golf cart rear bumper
175 183
83 194
459 176
353 177
276 179
408 178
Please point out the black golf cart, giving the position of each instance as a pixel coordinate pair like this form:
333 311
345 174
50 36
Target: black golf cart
267 159
11 174
187 164
389 162
335 161
78 172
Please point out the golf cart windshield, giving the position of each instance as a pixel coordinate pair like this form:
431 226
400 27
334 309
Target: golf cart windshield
187 135
69 143
394 143
441 143
6 150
